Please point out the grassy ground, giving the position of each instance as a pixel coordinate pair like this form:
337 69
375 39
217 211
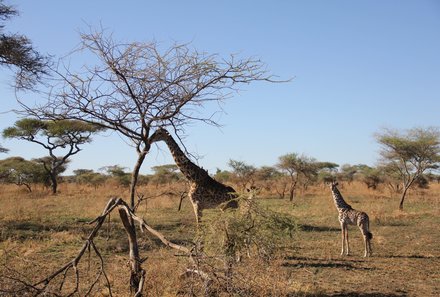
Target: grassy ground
39 233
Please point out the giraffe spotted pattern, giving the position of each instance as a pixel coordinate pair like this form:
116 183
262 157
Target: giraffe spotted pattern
204 192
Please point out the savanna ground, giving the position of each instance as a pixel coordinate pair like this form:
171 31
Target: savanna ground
41 232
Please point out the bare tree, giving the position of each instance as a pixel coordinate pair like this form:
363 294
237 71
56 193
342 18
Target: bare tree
137 88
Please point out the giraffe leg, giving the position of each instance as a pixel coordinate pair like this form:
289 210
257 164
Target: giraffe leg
347 252
366 243
367 239
369 247
343 239
198 213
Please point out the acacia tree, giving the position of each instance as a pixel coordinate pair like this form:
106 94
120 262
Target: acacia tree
21 172
17 51
136 88
371 177
410 154
244 173
165 174
297 166
118 173
65 135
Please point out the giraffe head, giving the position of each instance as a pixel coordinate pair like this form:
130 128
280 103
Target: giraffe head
160 134
333 184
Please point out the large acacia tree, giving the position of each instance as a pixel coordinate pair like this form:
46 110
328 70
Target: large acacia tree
135 88
65 136
410 154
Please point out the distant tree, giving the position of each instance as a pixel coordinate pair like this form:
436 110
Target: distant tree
432 177
422 182
371 177
327 166
118 172
17 51
21 172
165 174
326 171
89 177
267 173
347 173
223 176
410 154
267 176
65 135
244 174
80 172
298 166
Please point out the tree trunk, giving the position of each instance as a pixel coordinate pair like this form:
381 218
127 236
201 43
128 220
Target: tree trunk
292 191
54 183
135 175
28 187
402 199
137 273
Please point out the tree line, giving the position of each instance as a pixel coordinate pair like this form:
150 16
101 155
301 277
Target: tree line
408 160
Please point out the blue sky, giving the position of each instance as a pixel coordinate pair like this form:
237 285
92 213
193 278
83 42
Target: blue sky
358 66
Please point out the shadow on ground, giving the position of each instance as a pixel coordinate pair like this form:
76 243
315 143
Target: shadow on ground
301 262
348 294
312 228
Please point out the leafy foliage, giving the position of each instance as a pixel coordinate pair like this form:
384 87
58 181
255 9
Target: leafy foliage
17 51
410 154
253 231
18 171
165 174
243 174
63 135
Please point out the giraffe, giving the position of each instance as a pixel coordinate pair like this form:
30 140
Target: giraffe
349 216
205 192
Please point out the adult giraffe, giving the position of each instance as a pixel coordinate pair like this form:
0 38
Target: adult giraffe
205 192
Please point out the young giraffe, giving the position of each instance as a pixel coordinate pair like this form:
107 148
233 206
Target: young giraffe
205 192
349 216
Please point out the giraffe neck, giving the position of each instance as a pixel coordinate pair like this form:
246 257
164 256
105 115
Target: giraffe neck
339 200
190 170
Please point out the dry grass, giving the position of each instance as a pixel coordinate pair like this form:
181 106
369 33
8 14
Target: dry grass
39 233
